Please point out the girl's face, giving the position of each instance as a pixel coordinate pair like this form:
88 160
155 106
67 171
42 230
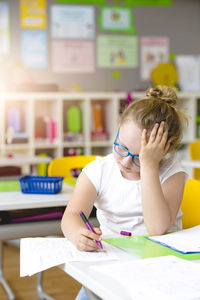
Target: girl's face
130 138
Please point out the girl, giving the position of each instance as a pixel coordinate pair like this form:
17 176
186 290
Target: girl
139 187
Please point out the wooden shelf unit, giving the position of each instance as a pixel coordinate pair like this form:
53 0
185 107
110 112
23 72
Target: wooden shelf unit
54 105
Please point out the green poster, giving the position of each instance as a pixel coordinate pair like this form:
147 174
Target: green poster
91 2
116 51
148 2
117 19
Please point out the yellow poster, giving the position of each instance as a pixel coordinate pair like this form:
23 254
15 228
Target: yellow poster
33 14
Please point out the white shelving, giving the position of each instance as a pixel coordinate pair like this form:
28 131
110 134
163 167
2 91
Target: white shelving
34 106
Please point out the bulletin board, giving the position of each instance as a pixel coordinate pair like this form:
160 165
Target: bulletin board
179 22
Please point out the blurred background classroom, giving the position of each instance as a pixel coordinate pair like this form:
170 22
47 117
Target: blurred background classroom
68 68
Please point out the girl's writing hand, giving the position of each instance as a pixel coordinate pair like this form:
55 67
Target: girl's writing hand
86 240
156 147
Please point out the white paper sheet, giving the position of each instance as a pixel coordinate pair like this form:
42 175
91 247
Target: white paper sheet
166 278
188 72
38 254
187 240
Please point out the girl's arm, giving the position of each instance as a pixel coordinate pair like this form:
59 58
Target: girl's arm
72 225
160 202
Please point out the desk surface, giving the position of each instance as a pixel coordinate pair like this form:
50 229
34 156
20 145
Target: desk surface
103 286
18 200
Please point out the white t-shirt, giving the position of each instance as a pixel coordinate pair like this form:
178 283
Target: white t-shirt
119 205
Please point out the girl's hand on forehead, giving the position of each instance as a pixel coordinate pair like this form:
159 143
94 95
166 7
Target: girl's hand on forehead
156 147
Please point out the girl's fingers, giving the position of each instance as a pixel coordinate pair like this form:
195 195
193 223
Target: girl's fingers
164 138
160 132
86 239
88 243
98 230
144 137
153 133
91 235
85 247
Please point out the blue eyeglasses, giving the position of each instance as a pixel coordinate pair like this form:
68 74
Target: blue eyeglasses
122 151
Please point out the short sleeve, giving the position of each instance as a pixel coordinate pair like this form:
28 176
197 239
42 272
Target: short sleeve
169 168
93 170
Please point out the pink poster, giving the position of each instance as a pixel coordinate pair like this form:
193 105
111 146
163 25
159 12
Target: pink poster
72 56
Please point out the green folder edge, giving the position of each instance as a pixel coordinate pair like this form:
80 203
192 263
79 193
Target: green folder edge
145 248
9 186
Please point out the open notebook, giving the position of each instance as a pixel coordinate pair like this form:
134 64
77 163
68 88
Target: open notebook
184 241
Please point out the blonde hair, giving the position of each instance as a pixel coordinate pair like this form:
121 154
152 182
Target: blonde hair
158 105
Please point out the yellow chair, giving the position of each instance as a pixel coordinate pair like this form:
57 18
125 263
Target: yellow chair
190 205
62 166
194 149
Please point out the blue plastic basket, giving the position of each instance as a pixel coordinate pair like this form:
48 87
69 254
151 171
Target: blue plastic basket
41 184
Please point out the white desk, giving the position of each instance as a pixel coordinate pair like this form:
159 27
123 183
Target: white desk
17 200
104 286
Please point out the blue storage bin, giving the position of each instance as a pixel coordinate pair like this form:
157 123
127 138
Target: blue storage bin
41 184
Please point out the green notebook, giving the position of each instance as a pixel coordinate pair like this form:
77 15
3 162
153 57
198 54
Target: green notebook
145 248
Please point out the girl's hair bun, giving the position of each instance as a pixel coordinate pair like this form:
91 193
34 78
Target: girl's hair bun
164 93
154 92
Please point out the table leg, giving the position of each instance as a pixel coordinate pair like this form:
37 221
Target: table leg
3 281
41 293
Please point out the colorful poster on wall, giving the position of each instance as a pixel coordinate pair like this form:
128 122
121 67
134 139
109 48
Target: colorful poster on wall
33 14
148 2
72 22
117 19
73 56
92 2
34 48
116 51
4 28
154 50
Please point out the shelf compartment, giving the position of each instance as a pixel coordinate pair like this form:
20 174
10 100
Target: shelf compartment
73 121
16 122
101 125
46 121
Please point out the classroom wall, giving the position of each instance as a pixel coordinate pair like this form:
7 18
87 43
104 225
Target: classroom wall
180 22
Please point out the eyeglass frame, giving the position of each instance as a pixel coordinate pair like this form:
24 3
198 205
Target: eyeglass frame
128 153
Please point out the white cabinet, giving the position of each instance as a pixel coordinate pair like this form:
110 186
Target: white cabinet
40 121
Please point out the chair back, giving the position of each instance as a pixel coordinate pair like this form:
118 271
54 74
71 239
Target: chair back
62 166
194 149
190 205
